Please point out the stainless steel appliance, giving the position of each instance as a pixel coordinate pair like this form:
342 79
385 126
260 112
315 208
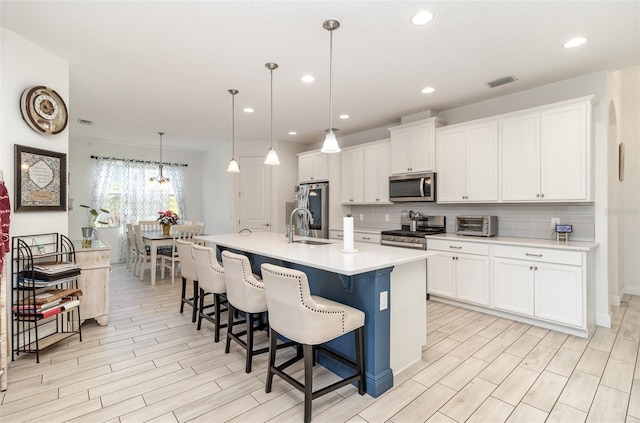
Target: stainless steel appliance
412 187
315 198
407 238
477 225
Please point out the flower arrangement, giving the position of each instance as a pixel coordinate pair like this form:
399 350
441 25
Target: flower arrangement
93 215
167 218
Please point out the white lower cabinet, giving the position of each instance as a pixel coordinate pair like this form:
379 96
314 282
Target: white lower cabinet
457 274
548 284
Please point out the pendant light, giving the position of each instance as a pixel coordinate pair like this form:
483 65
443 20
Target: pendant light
233 164
272 155
330 144
160 178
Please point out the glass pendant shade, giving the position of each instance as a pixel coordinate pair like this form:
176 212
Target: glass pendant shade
272 157
330 144
233 166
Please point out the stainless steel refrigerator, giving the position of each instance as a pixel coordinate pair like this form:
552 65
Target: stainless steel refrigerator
314 197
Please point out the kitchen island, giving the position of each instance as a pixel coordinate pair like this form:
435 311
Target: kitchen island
388 284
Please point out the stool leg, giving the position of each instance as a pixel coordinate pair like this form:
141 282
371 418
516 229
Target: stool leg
195 301
184 293
229 327
216 308
201 308
272 359
308 381
359 334
249 342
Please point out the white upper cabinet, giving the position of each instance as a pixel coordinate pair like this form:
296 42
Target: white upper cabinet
376 173
352 176
365 174
467 162
312 167
546 153
412 146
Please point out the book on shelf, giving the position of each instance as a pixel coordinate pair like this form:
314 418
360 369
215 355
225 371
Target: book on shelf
26 306
54 267
49 312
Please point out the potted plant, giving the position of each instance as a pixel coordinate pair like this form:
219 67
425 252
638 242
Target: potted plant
166 219
92 214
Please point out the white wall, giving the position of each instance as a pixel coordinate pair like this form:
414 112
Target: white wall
220 188
625 210
82 167
25 64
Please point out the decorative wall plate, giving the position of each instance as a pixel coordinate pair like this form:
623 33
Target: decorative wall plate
44 110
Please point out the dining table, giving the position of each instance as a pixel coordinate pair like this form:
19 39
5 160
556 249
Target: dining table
155 239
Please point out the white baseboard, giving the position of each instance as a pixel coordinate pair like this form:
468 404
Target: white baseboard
631 289
614 300
603 320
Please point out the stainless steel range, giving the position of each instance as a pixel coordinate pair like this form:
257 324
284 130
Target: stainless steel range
414 231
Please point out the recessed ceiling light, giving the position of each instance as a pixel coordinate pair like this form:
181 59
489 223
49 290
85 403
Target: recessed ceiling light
575 42
247 110
293 133
422 18
427 90
308 78
344 116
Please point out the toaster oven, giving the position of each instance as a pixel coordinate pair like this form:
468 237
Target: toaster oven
477 225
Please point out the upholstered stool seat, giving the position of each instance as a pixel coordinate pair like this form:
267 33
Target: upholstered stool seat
245 293
211 281
310 321
189 273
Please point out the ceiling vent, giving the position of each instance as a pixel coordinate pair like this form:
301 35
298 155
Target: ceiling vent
501 81
85 122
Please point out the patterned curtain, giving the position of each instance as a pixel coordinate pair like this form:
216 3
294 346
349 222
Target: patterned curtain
139 198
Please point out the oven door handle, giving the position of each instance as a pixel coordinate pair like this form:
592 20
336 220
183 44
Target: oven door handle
402 244
421 187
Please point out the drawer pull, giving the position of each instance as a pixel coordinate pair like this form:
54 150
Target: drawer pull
455 248
366 237
533 255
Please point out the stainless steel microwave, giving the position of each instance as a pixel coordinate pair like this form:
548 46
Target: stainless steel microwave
412 187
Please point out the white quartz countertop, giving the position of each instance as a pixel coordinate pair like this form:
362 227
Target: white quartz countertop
524 242
326 257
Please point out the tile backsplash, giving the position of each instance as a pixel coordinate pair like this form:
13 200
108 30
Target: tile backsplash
514 220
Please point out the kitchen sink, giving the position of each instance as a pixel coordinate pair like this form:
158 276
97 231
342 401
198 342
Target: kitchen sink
311 242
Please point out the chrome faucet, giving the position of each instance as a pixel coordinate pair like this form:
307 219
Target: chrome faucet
291 228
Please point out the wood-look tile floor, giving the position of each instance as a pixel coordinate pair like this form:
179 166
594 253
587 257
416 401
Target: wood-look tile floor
151 364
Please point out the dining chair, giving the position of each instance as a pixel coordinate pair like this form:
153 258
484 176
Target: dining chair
132 251
149 225
144 254
169 257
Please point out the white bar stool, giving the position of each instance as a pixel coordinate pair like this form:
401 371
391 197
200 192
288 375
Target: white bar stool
189 273
308 320
211 281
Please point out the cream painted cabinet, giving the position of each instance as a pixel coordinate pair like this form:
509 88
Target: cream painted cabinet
94 263
376 173
352 175
546 154
460 271
412 146
467 163
312 167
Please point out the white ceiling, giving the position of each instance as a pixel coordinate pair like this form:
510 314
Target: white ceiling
140 67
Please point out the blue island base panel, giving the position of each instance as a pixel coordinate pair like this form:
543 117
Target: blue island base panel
361 291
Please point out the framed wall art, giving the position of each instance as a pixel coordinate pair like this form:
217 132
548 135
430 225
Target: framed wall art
40 180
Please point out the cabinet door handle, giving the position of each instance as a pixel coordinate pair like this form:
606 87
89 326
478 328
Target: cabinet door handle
537 195
530 267
455 248
533 255
541 195
535 267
